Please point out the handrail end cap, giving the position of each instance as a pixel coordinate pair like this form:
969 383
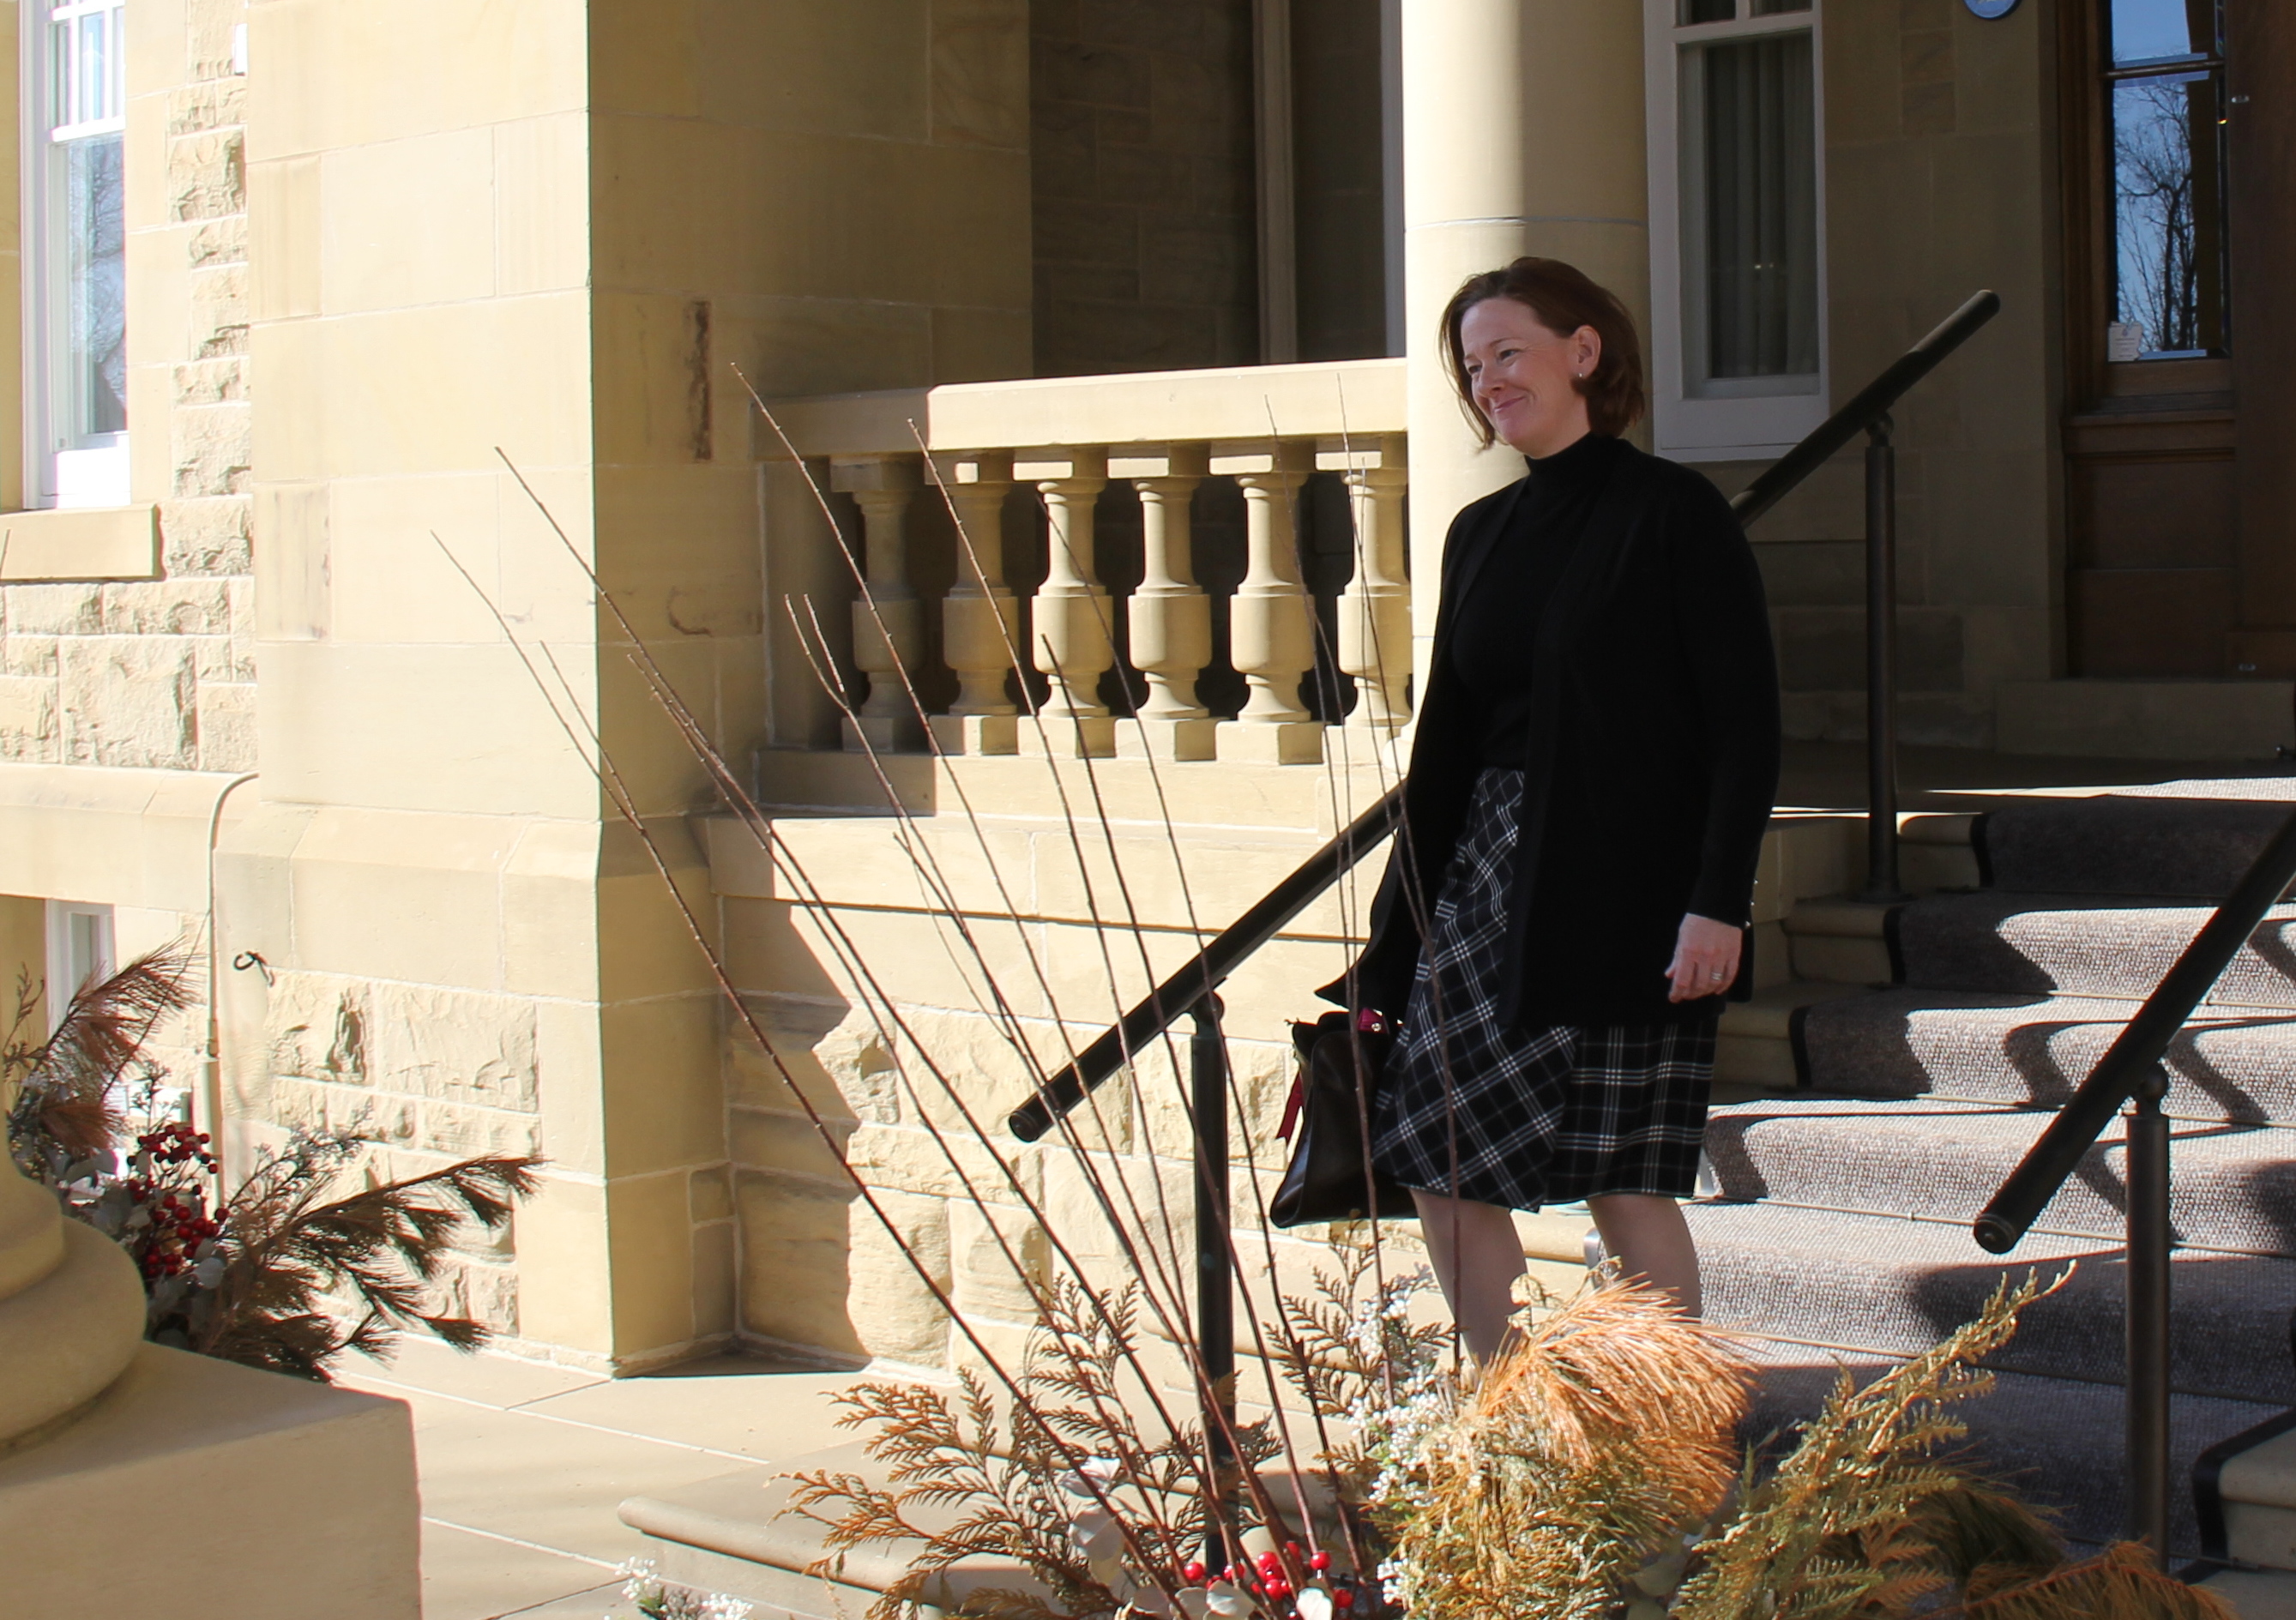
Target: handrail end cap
1995 1235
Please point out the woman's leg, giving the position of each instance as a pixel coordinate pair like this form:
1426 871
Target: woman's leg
1649 1238
1477 1256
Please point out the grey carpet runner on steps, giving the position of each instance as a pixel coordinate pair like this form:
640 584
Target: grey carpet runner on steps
1841 1236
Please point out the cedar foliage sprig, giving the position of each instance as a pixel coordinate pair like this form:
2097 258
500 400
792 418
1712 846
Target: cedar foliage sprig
1868 1519
963 1482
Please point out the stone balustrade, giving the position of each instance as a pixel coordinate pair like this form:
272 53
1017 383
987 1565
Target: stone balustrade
1232 640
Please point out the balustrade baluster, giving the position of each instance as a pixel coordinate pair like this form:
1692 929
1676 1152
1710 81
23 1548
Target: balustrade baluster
1070 642
1374 629
1171 618
980 620
882 485
1271 634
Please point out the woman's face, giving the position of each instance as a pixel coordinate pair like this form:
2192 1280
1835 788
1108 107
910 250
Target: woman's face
1525 377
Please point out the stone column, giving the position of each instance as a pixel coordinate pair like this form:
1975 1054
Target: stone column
1171 619
1523 133
1271 633
1072 640
71 1312
887 623
981 622
1374 628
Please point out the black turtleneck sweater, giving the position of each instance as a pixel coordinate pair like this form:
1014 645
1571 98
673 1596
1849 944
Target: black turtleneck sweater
1495 639
1603 629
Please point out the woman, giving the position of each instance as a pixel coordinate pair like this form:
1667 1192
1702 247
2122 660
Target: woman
1597 753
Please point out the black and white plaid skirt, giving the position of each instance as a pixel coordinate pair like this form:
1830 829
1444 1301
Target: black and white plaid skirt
1526 1118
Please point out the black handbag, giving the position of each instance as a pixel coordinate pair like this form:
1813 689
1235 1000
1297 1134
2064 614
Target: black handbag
1331 1177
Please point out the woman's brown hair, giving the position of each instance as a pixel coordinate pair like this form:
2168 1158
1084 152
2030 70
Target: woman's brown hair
1564 299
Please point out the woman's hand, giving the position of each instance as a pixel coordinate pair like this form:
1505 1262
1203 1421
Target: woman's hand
1705 959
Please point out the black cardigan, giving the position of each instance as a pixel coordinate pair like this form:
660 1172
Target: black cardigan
1650 767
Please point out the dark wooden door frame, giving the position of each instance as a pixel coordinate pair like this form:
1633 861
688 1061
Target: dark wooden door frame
2261 85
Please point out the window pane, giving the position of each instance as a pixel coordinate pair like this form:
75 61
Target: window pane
2168 254
1708 11
1772 8
2145 30
1761 209
96 289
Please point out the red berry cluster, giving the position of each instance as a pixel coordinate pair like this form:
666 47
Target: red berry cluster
1267 1578
177 1143
177 1230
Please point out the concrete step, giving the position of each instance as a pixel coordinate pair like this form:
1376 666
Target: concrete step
2255 1594
1941 1159
1842 942
1754 1048
2245 1490
1892 1286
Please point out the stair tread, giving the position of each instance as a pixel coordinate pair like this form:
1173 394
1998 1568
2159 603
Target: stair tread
1942 1159
2111 945
1893 1286
2230 1062
2178 839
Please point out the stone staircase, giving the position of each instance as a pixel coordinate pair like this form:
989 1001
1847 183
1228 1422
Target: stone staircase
1884 1092
1896 1067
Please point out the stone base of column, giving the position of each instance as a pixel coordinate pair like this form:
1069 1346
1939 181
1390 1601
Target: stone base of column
308 1493
880 734
1272 742
1149 737
974 734
1070 737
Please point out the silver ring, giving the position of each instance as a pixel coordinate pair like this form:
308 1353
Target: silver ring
1717 974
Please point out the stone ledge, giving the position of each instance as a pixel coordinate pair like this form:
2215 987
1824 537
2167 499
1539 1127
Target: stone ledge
110 835
316 1486
80 543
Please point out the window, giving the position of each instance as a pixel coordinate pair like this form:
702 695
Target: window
80 952
76 280
2163 94
1737 225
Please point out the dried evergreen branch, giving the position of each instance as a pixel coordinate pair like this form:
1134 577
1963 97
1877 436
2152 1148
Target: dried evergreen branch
285 1252
63 1094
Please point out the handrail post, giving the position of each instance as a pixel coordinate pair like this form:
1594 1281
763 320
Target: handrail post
2147 1259
1215 1274
1881 663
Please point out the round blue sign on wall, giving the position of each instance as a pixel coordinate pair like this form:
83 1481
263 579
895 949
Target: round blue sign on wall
1990 9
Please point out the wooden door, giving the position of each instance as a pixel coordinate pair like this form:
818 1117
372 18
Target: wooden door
2154 319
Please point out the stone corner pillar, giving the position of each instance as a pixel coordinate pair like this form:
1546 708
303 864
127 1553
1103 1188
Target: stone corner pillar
1523 132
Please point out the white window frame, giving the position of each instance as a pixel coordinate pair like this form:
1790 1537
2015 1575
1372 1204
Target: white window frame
62 984
1754 426
56 474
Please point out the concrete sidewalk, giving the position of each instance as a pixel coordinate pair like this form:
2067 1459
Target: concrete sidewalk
522 1465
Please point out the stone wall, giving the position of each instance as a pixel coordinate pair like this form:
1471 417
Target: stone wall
160 673
1144 179
1939 181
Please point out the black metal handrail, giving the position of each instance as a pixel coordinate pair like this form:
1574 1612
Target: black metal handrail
1869 413
1205 972
2130 1072
1870 404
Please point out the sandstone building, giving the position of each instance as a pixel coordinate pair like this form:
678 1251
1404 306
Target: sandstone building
329 305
